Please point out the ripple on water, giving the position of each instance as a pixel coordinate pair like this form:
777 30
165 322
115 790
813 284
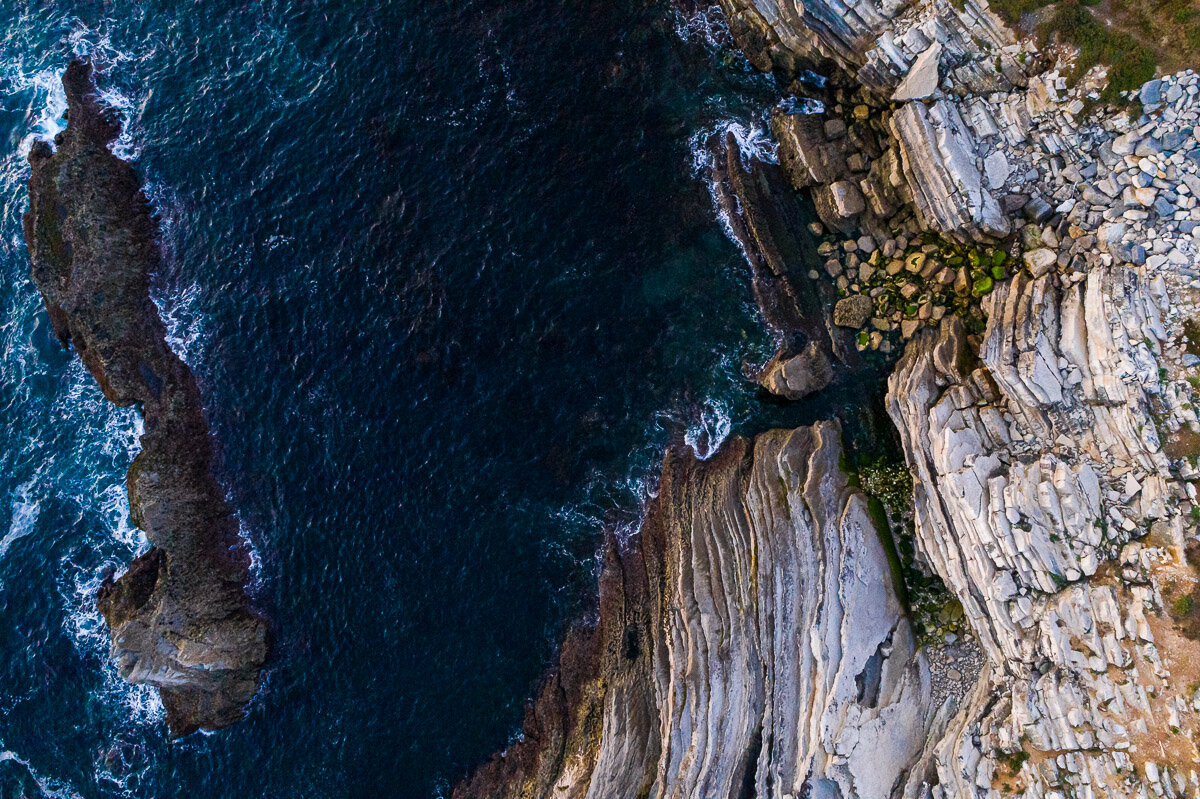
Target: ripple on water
290 217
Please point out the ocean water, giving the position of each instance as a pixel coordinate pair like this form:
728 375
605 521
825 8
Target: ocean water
450 278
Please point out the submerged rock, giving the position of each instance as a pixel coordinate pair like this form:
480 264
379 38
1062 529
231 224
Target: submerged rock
180 618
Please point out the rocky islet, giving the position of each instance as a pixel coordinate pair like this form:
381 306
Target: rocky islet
180 618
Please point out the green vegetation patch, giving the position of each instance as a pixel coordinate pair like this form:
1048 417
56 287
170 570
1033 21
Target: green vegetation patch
912 285
1131 63
1191 337
932 608
1183 605
1131 38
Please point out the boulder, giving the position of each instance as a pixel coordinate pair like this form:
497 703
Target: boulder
922 78
847 199
800 375
1040 260
853 311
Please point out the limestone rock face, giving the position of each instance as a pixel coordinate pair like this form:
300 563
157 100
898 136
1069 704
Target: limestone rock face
180 618
751 644
922 78
876 43
902 155
1052 450
938 159
1036 465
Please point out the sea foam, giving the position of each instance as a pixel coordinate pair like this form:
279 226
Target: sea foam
25 511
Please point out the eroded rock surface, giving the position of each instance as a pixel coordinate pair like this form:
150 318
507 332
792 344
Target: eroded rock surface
767 225
876 44
1034 468
751 644
180 618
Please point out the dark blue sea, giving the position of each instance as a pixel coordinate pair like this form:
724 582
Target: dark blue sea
450 277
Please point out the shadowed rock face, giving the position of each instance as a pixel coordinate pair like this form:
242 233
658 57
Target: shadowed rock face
179 617
764 218
751 644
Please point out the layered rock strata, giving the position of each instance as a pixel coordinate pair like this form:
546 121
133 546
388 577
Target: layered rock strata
751 643
1044 495
1052 459
877 45
768 225
923 91
1048 419
180 618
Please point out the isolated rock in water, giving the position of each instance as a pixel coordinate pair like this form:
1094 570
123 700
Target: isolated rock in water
752 645
922 79
853 311
799 376
179 618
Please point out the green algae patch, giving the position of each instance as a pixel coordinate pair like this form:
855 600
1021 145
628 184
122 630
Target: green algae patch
981 286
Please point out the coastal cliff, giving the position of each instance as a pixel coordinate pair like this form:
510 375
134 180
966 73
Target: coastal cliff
180 618
751 643
1033 258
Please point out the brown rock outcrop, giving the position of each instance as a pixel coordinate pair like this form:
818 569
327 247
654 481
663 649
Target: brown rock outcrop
180 618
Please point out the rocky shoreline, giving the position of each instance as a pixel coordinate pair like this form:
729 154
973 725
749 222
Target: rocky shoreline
180 618
696 672
1035 257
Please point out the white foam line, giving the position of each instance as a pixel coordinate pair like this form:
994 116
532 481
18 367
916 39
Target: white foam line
709 432
182 318
141 704
25 512
804 106
753 141
707 24
51 99
54 788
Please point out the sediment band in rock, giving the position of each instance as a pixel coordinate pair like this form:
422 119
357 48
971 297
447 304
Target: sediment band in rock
751 643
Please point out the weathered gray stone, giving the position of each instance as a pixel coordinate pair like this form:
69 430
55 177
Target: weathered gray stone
922 78
1040 261
847 198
